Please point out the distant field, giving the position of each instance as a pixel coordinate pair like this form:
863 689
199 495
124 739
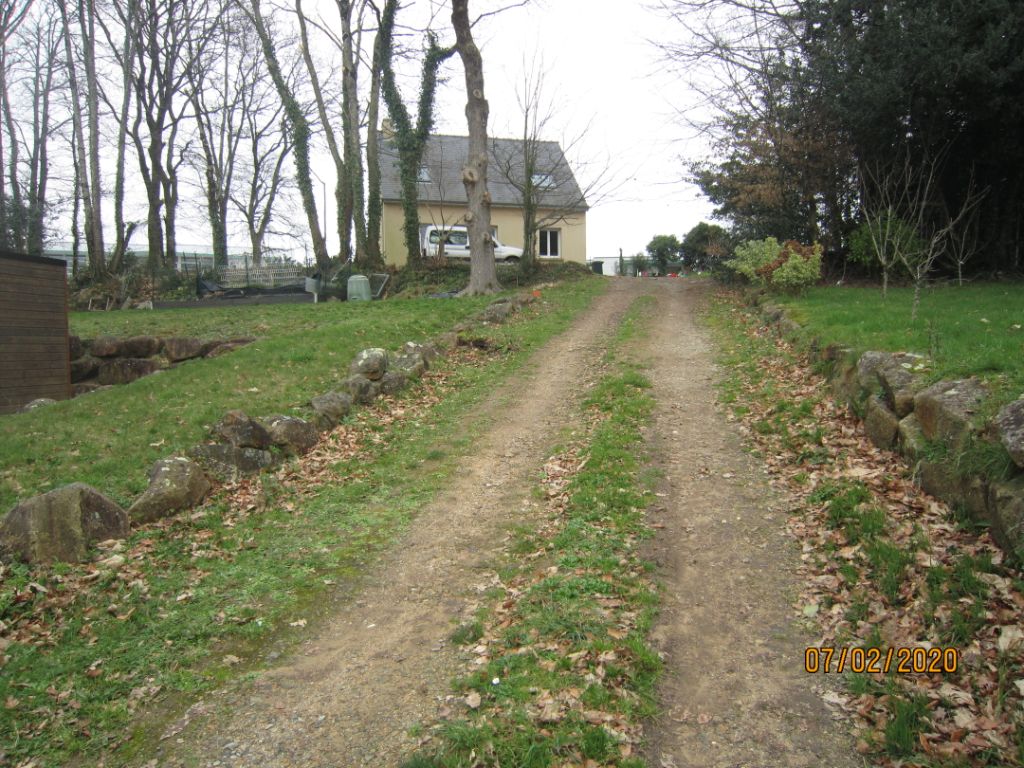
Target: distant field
974 330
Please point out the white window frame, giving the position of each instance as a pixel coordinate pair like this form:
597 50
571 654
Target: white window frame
423 175
545 241
542 180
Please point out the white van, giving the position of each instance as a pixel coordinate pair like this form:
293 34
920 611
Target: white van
456 244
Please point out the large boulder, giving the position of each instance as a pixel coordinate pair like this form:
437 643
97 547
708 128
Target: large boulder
867 371
1009 425
371 363
123 370
293 434
229 462
363 390
242 431
85 367
60 525
330 408
178 348
946 409
899 379
105 346
142 346
174 484
1006 515
881 424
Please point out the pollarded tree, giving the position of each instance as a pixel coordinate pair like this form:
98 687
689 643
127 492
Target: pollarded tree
483 274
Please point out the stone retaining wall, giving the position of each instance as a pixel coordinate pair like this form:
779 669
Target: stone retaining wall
107 360
932 425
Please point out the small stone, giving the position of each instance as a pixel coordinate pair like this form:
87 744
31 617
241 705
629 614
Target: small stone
881 424
293 434
393 382
174 484
105 346
142 346
363 390
124 370
178 348
330 408
229 461
371 363
39 402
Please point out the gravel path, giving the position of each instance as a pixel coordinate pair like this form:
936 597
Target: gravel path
734 693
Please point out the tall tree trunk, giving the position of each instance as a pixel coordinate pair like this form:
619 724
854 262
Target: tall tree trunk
16 218
342 192
483 274
87 24
350 131
301 135
93 239
374 204
123 233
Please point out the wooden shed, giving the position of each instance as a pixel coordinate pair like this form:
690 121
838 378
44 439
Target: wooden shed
34 359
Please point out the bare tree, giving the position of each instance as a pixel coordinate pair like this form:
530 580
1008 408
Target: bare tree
121 24
12 212
265 148
908 221
299 125
483 274
539 171
222 87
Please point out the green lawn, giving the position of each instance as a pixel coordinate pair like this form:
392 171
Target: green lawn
974 330
199 599
109 439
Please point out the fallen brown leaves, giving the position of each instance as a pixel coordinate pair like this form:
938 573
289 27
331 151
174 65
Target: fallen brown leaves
954 588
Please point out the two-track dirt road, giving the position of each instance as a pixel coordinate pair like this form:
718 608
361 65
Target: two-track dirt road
734 692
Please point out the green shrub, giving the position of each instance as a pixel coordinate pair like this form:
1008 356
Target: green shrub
801 268
789 267
751 256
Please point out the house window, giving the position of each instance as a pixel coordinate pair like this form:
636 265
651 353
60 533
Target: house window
423 174
542 180
550 244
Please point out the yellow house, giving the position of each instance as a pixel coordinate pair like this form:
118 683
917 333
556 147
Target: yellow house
562 206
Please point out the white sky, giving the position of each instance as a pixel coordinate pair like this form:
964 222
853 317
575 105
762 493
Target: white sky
603 70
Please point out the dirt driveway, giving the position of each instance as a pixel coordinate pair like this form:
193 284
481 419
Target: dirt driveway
734 690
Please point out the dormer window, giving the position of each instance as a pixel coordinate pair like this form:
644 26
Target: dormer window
542 180
423 174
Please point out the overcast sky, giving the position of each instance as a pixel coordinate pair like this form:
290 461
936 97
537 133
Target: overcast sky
603 71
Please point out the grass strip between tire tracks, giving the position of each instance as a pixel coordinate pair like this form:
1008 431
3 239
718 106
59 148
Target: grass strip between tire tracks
560 672
103 658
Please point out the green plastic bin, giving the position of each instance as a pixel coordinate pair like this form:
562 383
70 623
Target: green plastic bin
359 288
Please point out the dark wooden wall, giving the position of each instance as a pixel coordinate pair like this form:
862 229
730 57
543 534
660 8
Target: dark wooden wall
33 330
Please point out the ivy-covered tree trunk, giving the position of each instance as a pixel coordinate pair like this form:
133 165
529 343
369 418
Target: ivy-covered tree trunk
483 274
410 140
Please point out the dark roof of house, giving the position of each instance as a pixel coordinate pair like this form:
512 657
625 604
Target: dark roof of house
444 157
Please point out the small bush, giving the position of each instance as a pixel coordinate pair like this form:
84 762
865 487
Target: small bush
790 267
